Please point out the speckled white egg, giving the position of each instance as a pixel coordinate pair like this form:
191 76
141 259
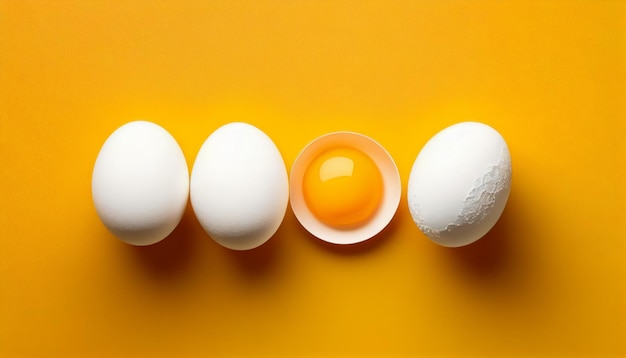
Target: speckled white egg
140 183
239 186
460 183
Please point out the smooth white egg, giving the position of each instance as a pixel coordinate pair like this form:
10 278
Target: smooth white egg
239 186
140 183
460 183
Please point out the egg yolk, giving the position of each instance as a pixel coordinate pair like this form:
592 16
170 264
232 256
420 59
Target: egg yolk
343 187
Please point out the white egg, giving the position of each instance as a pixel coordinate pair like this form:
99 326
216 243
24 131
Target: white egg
239 186
460 183
140 183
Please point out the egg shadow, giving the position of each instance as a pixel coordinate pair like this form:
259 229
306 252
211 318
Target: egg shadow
359 248
260 260
490 255
263 260
172 256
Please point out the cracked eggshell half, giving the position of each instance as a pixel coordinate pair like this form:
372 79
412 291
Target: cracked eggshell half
239 186
460 183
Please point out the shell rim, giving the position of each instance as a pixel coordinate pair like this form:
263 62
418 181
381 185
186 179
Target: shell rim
384 214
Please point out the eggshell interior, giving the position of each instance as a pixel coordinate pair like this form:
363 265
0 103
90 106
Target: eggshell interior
391 196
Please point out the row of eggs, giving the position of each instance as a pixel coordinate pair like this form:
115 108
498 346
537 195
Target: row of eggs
344 187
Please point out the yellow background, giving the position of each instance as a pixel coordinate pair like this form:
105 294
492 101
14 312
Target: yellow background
550 279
